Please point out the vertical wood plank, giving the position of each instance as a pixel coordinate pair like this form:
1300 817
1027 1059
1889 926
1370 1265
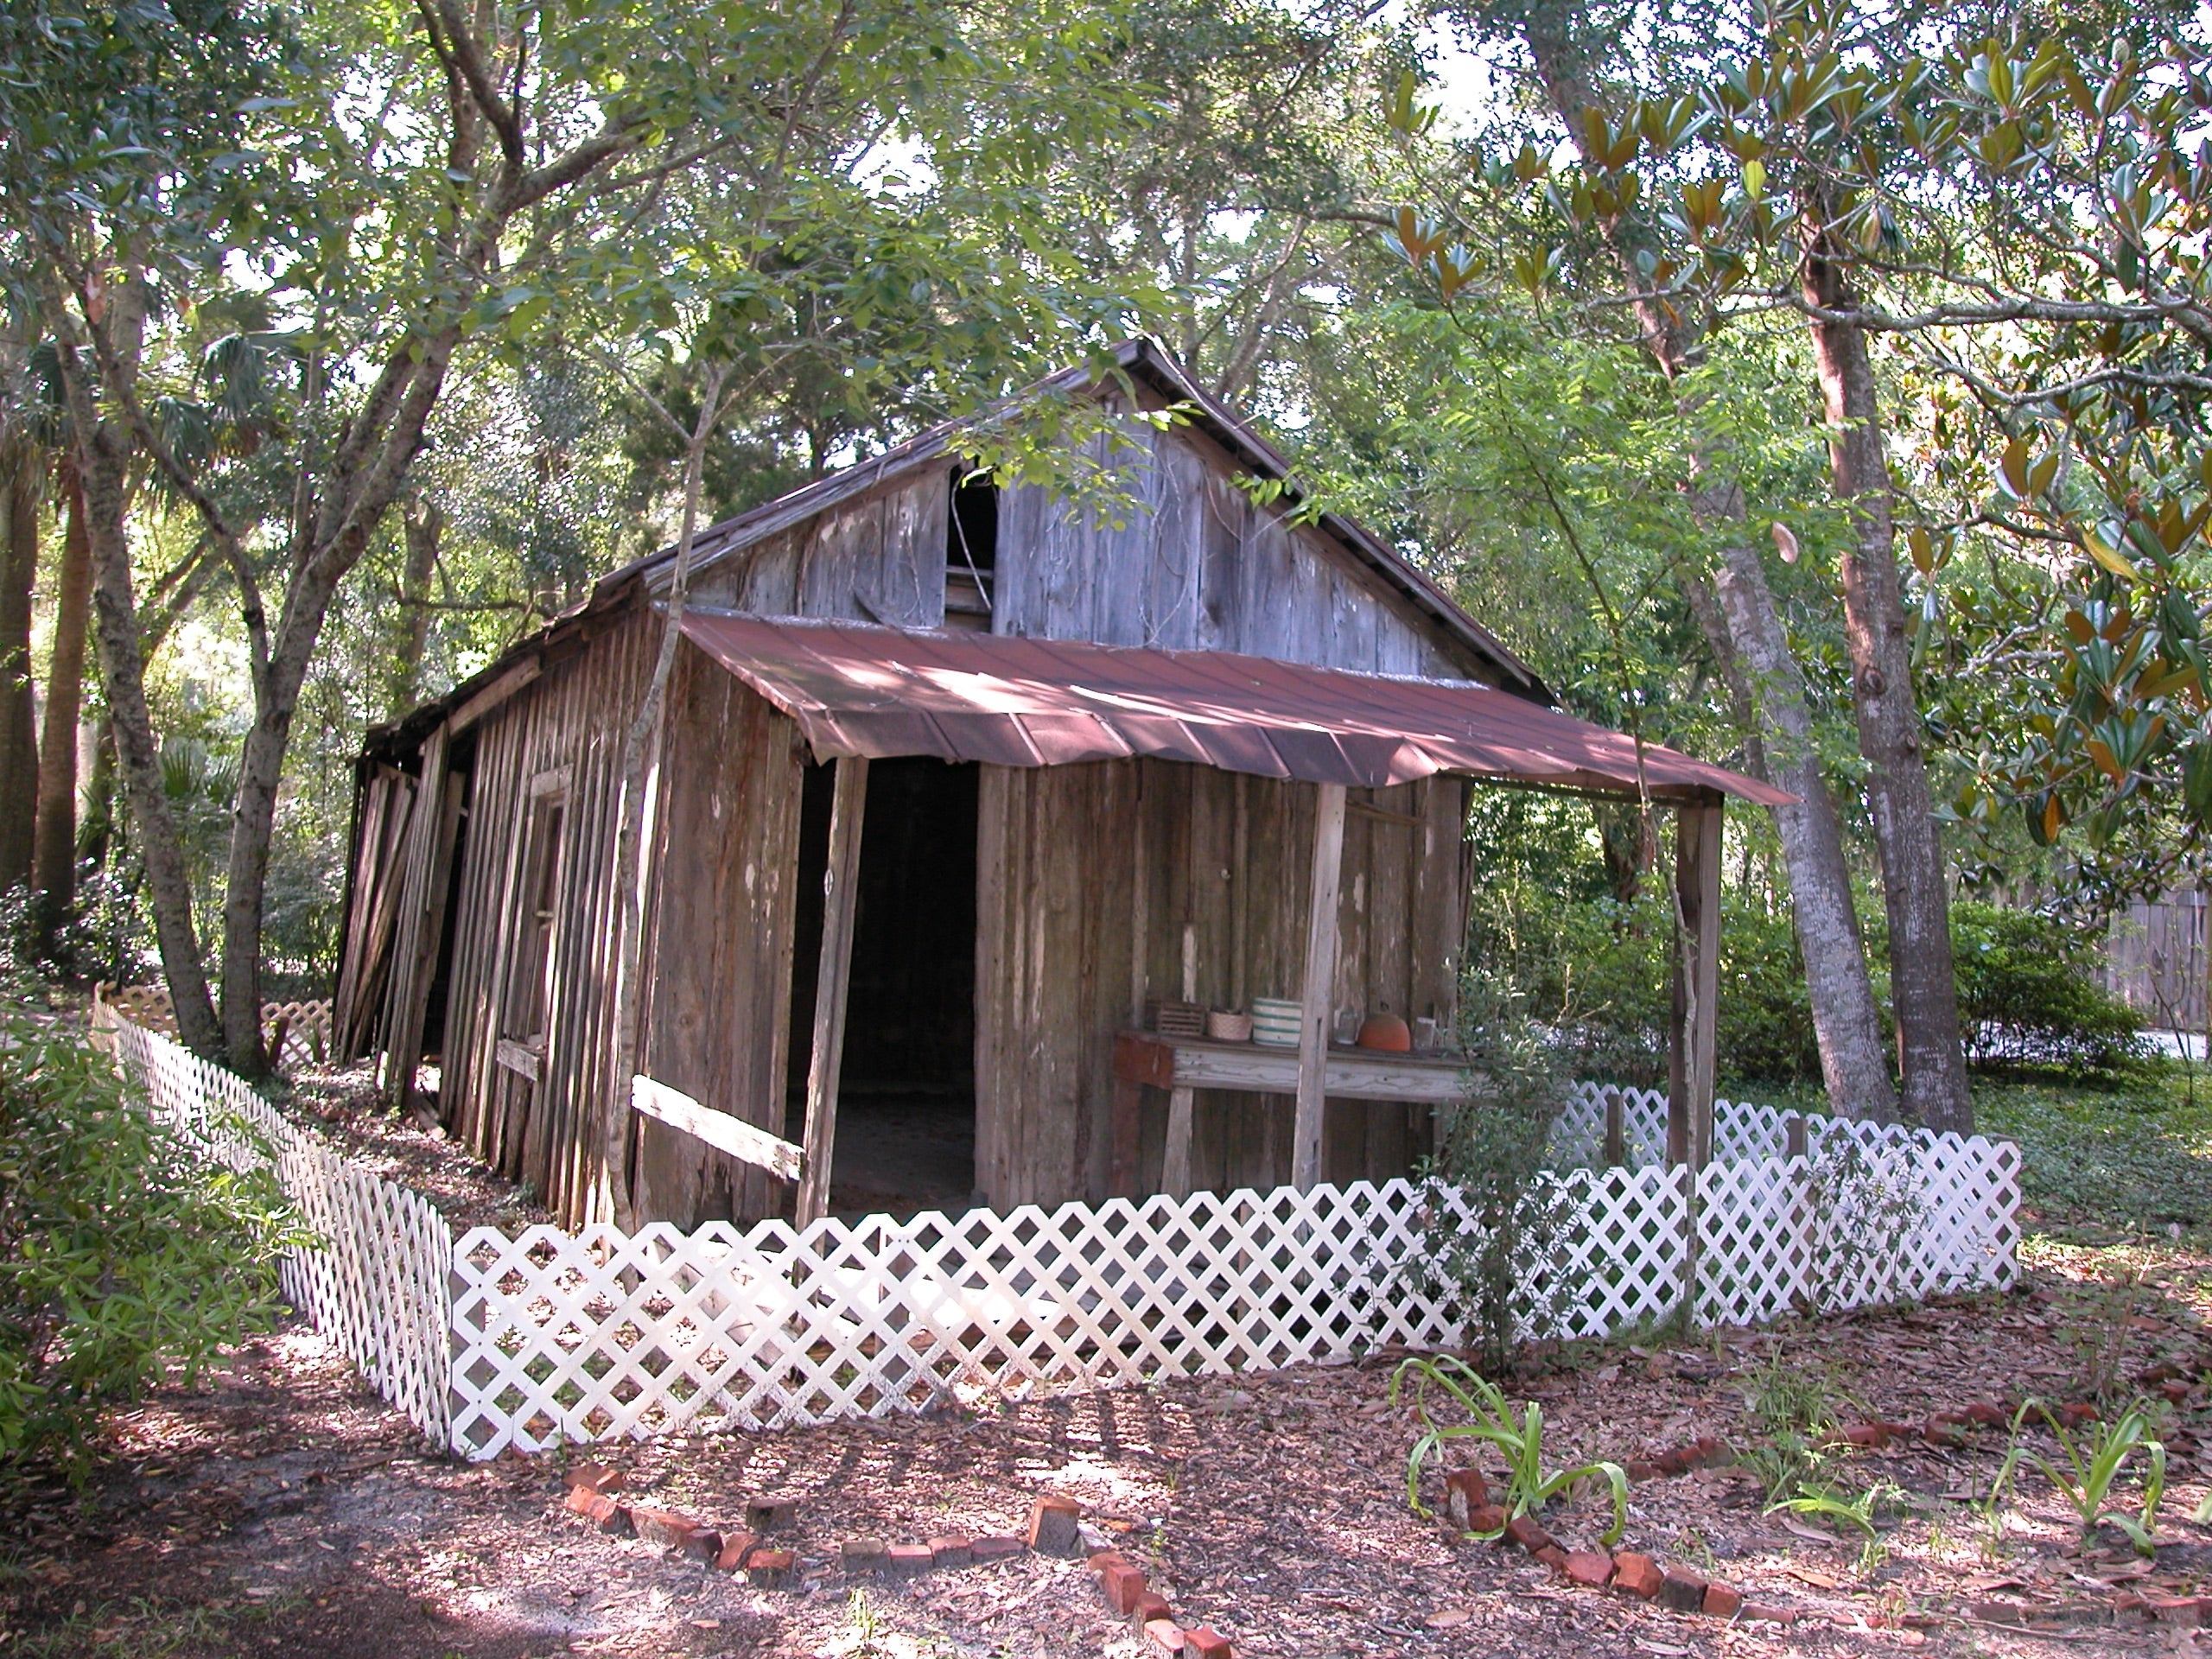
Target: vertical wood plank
1320 974
847 806
1696 984
1175 1168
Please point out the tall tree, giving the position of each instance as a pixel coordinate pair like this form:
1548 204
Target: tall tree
19 504
54 873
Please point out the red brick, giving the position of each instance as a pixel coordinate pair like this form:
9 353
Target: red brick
736 1546
952 1552
1943 1429
1464 1492
770 1511
1528 1532
1643 1469
863 1555
1711 1451
663 1526
703 1543
1150 1605
908 1560
2185 1611
1988 1414
1122 1583
1636 1574
1676 1462
996 1547
1872 1436
1682 1590
1765 1614
597 1476
1589 1568
1486 1519
770 1569
1163 1636
600 1510
2176 1391
1553 1557
1206 1642
2074 1415
1723 1600
1052 1525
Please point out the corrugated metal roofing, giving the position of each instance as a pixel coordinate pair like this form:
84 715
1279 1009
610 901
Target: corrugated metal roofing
879 692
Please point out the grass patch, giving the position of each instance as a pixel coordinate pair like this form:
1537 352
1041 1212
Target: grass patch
2135 1153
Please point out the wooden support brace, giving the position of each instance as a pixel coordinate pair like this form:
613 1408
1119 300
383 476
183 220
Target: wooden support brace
840 884
1320 977
1175 1168
1697 984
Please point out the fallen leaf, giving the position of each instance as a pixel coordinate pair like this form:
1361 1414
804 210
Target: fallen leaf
1803 1531
1449 1620
1818 1580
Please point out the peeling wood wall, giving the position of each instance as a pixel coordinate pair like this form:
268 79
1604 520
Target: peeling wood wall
719 952
1080 920
566 730
1196 566
879 557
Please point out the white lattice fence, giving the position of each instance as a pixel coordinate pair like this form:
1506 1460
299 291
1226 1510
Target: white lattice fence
305 1026
376 1285
492 1342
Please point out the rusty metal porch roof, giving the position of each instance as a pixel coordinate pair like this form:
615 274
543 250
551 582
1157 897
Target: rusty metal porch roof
859 689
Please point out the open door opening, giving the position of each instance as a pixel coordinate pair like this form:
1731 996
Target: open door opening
461 768
905 1138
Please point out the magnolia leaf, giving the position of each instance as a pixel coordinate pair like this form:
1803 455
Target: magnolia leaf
2012 469
2108 556
1785 542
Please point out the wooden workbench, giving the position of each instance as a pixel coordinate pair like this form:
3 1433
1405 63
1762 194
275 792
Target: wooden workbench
1183 1065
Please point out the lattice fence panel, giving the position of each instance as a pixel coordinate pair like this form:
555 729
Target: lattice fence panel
307 1024
376 1285
494 1342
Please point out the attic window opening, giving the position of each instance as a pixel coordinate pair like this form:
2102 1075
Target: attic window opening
972 547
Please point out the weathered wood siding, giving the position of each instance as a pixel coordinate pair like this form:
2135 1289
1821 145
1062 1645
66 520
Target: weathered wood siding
1099 886
719 955
878 557
563 733
384 803
1196 565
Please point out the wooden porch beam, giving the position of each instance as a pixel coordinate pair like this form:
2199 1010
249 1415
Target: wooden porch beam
1320 979
840 891
1692 1046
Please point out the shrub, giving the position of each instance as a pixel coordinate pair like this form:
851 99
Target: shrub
124 1250
1491 1169
2028 996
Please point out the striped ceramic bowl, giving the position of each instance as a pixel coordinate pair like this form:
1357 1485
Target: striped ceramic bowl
1274 1022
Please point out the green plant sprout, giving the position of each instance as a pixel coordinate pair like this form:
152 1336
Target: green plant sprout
2093 1467
1856 1511
1529 1485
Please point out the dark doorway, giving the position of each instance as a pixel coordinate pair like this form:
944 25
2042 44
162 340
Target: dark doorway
907 1100
460 771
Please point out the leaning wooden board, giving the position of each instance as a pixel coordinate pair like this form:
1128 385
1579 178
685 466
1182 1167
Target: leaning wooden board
1349 1074
718 1129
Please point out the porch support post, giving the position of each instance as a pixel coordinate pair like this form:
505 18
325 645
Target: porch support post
1320 978
1697 983
840 889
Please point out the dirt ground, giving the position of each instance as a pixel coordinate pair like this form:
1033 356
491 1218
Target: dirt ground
280 1508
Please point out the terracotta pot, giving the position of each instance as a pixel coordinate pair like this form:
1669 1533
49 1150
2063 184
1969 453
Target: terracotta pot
1388 1031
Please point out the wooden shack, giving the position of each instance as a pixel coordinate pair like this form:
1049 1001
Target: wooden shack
952 784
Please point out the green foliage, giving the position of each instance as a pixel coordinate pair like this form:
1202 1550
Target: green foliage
1792 1407
2027 995
1529 1485
2093 1467
1491 1213
1855 1512
123 1251
2137 1148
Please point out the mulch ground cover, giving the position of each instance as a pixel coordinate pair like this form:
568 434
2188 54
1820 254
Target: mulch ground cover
278 1507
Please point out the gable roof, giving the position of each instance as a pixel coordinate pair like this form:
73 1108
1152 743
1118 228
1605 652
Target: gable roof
1143 359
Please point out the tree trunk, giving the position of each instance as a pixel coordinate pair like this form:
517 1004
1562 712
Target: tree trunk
55 866
18 744
1765 683
1924 994
102 467
423 526
1844 1019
